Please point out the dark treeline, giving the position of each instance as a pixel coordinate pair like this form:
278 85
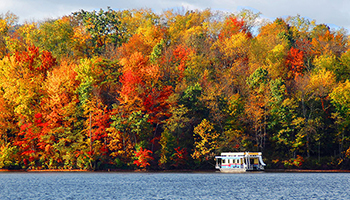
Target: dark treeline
135 89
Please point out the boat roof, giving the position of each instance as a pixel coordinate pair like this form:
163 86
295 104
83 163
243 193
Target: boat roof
235 154
228 157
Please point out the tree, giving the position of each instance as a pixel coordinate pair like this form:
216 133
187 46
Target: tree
271 48
103 27
56 36
256 107
325 41
313 97
62 114
340 99
143 158
130 131
282 115
205 141
174 135
97 78
31 141
7 25
233 137
22 78
173 64
295 63
180 23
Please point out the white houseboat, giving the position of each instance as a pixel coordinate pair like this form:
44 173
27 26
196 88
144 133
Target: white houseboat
239 161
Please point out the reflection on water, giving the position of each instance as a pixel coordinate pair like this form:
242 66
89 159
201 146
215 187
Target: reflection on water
174 186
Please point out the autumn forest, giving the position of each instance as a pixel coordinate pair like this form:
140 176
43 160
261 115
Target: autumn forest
134 89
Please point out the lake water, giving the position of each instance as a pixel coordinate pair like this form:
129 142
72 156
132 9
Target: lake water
96 185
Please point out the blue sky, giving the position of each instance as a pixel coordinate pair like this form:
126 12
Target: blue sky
332 12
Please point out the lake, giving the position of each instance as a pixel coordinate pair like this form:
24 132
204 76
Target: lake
216 185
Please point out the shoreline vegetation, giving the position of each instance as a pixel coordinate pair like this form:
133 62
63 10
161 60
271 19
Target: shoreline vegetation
177 171
138 90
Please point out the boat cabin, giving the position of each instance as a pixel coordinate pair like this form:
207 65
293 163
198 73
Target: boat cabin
239 161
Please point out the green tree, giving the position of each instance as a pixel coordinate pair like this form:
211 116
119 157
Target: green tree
340 98
282 114
103 27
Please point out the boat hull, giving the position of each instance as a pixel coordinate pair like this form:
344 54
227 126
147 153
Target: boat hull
232 170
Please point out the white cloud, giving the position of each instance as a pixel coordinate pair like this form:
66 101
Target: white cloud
190 6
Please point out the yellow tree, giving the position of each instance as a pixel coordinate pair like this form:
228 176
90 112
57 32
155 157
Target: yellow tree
206 141
313 92
340 98
182 24
7 26
231 55
271 48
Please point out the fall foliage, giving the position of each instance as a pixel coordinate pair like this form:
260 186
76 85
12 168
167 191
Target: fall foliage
134 89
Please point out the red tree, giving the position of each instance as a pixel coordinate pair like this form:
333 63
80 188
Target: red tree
295 63
143 157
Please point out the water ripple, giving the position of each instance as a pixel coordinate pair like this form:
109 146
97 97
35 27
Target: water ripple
174 186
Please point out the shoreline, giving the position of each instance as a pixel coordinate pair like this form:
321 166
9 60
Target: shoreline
308 170
173 171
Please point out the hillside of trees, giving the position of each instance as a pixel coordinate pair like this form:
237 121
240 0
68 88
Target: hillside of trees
136 89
